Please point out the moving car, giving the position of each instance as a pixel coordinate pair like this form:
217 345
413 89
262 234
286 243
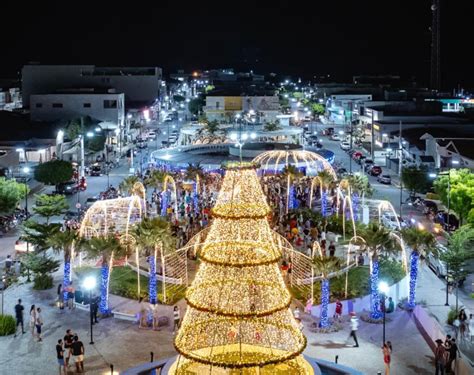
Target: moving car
335 137
345 146
436 264
21 246
375 170
96 170
67 188
90 201
357 155
367 164
384 179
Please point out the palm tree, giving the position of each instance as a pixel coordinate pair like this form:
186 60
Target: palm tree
64 241
155 178
376 240
422 243
326 180
325 266
126 186
154 236
106 247
193 170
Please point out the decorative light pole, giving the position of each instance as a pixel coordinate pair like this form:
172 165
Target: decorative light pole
383 288
89 284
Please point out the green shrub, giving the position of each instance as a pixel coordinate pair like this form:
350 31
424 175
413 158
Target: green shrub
391 271
432 196
452 316
7 325
172 296
43 282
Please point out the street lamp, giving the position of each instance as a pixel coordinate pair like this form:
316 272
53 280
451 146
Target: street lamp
89 284
383 289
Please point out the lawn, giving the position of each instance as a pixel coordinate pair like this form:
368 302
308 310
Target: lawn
123 282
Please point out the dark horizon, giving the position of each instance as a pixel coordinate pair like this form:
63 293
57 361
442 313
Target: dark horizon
303 40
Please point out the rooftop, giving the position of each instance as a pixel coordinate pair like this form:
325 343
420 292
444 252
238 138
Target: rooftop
15 127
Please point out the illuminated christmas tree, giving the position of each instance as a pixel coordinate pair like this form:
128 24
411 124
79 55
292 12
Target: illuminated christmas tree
238 318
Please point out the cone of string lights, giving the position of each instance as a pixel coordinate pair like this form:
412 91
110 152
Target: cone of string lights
238 315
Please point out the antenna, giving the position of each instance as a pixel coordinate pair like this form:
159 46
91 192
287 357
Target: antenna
435 81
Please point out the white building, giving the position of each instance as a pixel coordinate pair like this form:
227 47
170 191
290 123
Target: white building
221 108
102 106
140 85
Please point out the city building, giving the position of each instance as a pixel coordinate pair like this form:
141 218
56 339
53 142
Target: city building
106 106
225 108
140 85
10 96
340 107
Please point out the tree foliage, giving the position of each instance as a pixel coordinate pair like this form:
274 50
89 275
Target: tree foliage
272 126
126 186
38 234
193 170
212 127
151 232
195 105
11 193
421 241
459 251
360 184
54 172
48 206
326 265
460 183
179 98
63 241
377 240
318 109
416 179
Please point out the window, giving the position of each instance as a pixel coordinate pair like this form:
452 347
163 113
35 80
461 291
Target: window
110 104
57 105
218 105
39 105
87 105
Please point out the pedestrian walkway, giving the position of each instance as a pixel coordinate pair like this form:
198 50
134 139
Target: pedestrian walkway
432 291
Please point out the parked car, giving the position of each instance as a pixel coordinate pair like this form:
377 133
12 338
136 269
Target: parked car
90 201
71 215
384 179
357 155
375 170
67 188
328 131
367 163
96 170
335 137
345 146
434 261
151 135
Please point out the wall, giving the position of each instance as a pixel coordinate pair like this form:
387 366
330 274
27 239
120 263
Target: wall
47 79
397 291
73 107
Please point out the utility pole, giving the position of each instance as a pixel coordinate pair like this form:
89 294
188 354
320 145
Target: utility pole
400 161
83 169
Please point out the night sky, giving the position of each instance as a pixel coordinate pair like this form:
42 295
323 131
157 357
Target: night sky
304 38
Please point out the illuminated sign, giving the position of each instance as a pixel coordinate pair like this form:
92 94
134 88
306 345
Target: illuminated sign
233 103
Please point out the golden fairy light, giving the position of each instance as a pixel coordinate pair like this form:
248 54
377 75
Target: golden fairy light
238 313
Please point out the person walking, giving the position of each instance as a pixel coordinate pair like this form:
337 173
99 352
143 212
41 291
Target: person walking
95 309
71 291
143 312
155 318
453 354
33 320
176 318
387 358
39 323
60 293
60 358
471 327
332 249
354 327
440 358
19 317
68 341
78 353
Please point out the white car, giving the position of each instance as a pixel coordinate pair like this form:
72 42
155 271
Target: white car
151 135
335 137
435 263
21 247
390 222
345 146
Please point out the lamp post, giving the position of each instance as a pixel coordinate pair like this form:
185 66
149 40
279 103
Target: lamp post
383 289
26 170
89 284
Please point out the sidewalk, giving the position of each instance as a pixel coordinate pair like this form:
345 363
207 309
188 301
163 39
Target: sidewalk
432 290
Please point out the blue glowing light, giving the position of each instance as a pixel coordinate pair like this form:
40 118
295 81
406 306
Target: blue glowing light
324 204
324 321
292 204
66 278
104 289
413 278
164 202
355 206
196 198
374 291
152 280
